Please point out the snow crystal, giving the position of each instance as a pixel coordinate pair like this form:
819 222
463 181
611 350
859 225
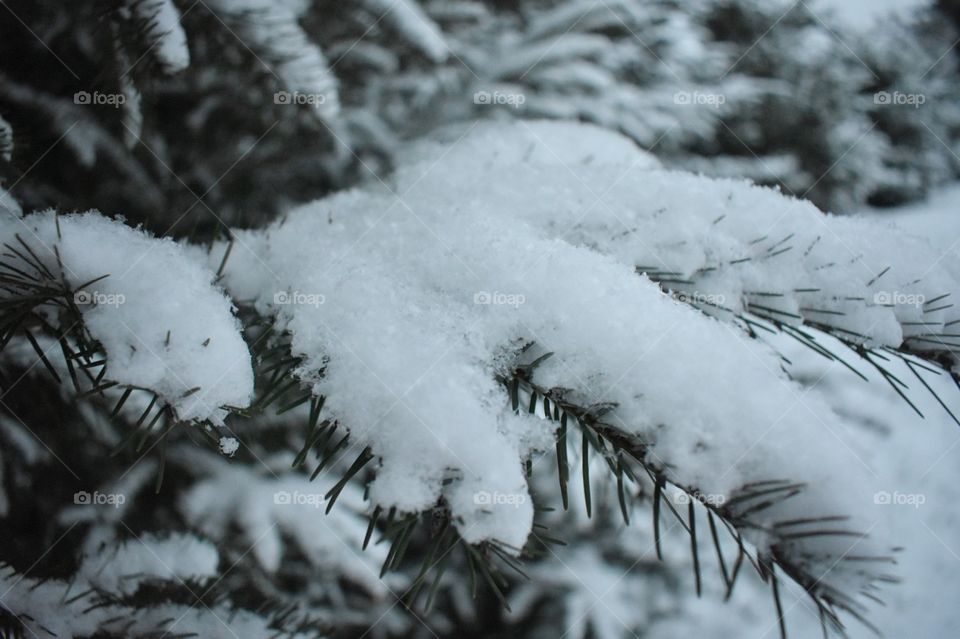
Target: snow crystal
229 446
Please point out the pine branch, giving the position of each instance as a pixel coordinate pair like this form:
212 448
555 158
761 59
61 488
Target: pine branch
742 512
35 302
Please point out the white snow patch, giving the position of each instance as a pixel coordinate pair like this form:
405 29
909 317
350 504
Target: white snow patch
165 29
122 567
157 314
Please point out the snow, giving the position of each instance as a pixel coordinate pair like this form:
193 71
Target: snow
408 18
559 144
165 30
162 323
8 205
122 567
865 14
937 219
46 600
271 29
49 607
407 298
218 622
416 320
229 445
906 456
6 141
914 463
266 510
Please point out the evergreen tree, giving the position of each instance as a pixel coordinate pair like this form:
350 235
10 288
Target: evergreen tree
520 380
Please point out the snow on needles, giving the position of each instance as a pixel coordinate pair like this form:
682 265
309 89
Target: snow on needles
162 21
271 29
162 323
412 296
264 510
125 566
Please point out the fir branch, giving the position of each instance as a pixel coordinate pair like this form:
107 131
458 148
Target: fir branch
738 513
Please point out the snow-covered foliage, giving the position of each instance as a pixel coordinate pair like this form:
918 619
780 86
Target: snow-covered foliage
187 348
780 93
68 612
231 409
160 22
122 568
396 316
270 30
789 263
412 23
398 340
266 508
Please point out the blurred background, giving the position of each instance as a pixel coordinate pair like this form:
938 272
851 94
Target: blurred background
849 104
